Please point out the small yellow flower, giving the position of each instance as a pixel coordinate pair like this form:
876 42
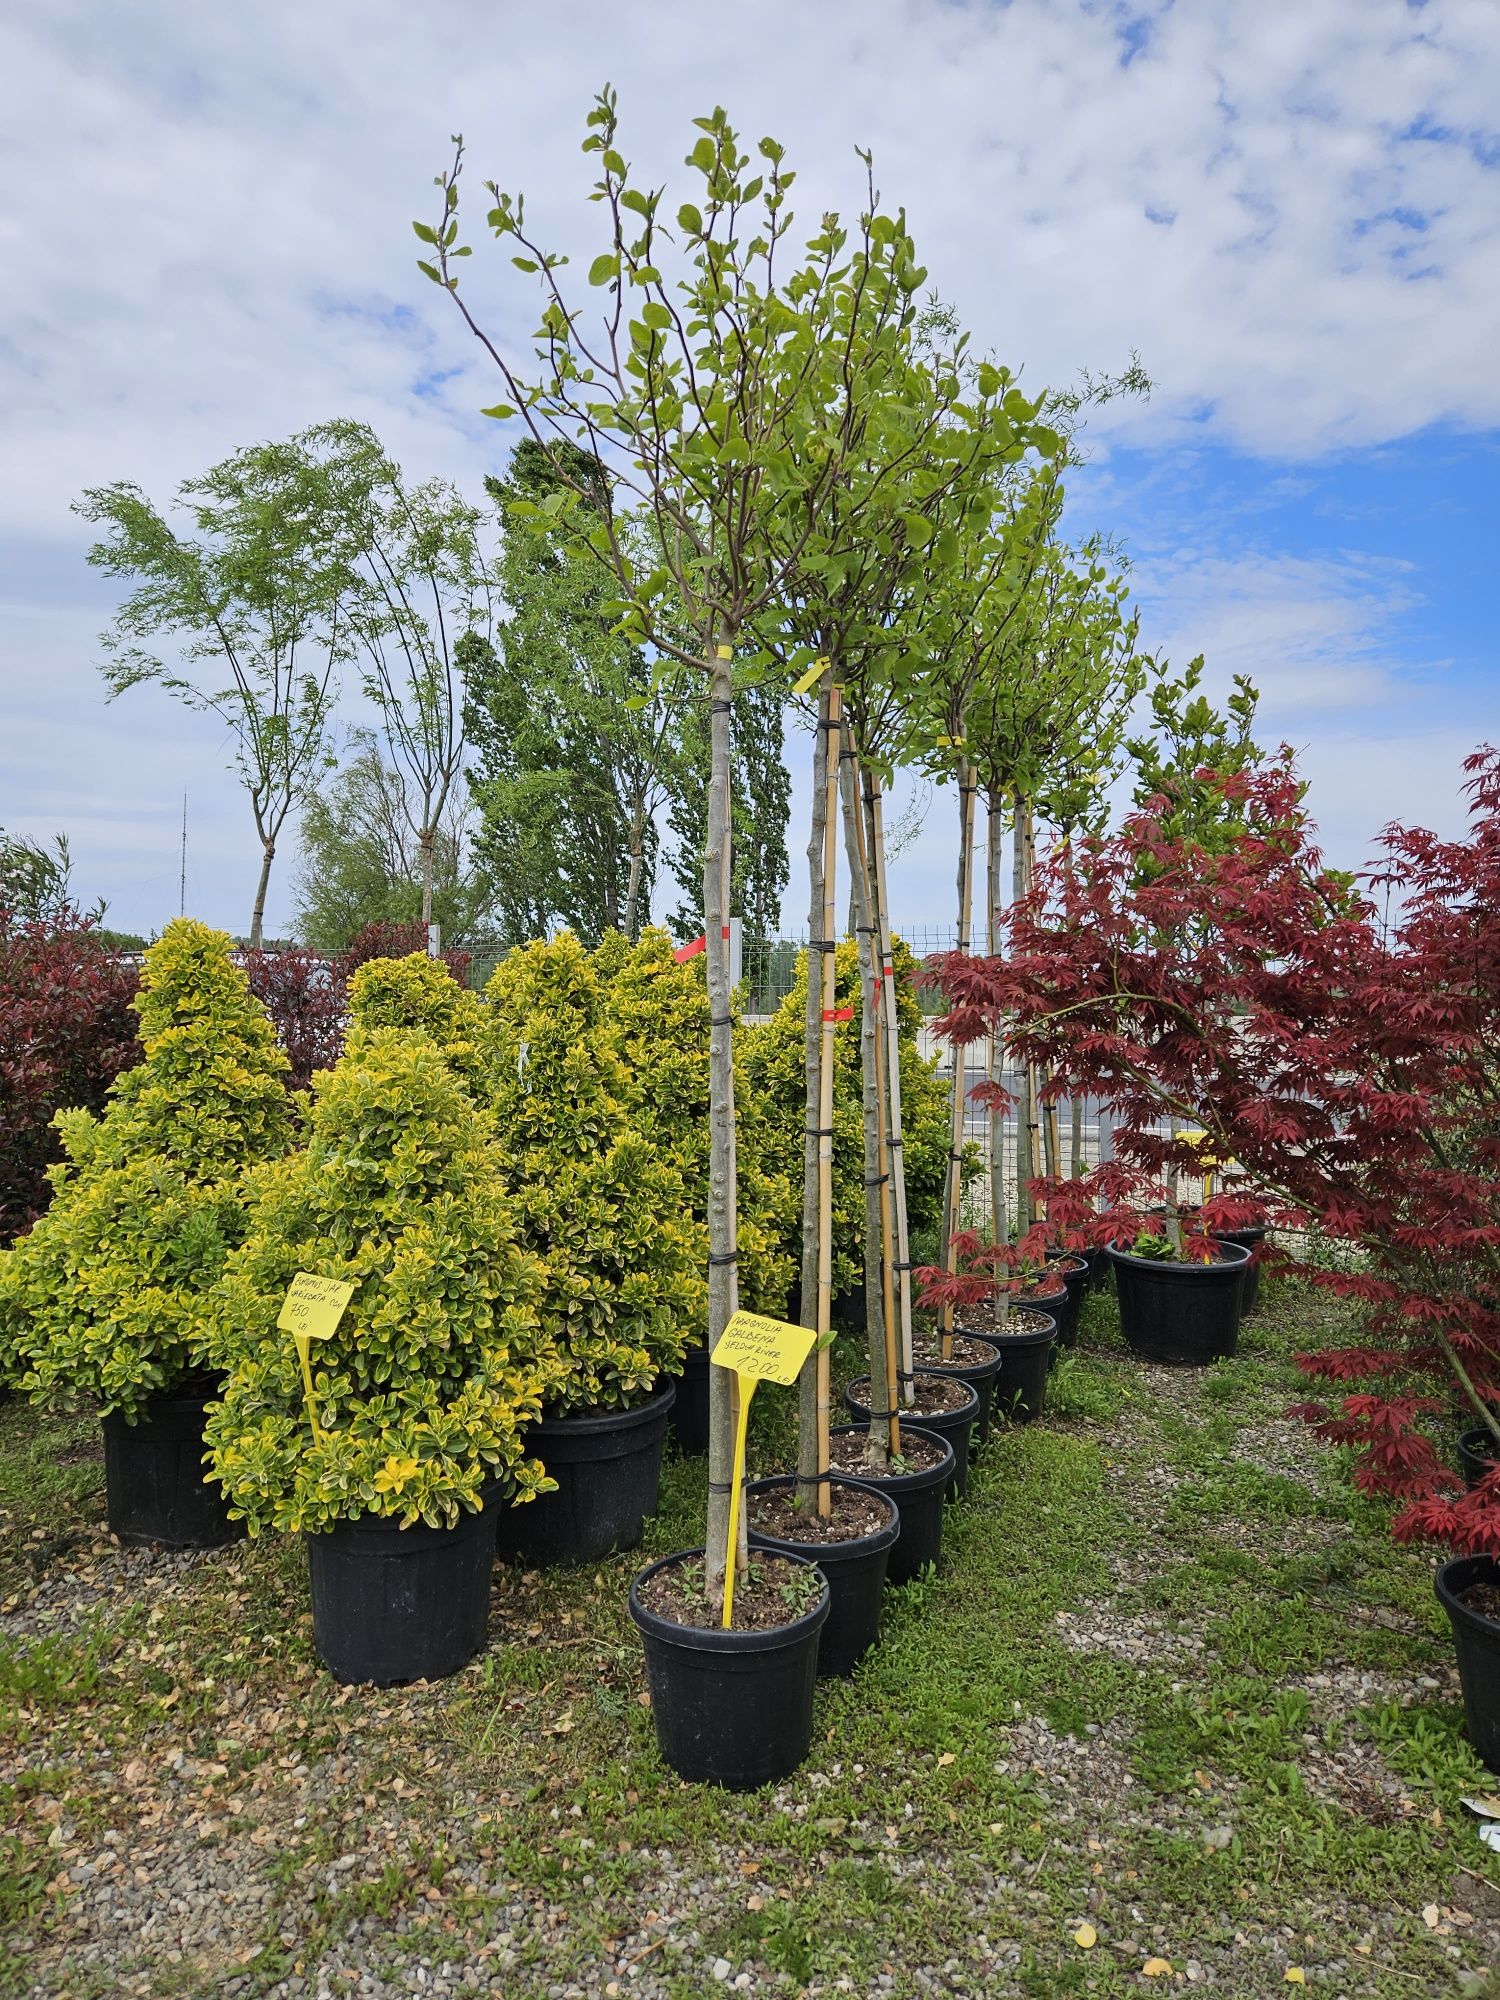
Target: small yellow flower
394 1474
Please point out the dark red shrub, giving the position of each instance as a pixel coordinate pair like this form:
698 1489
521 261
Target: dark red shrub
67 1030
1349 1064
306 992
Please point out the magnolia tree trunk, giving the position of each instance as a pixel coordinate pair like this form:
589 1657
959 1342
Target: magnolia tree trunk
258 914
817 1158
723 1291
631 924
994 858
882 1402
424 847
953 1180
1026 1100
895 1152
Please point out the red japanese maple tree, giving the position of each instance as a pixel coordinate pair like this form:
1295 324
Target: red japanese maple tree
1340 1043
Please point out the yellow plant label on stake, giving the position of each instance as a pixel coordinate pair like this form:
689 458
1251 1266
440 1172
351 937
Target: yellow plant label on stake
311 1311
758 1349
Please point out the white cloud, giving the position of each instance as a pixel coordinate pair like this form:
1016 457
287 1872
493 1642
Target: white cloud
1290 211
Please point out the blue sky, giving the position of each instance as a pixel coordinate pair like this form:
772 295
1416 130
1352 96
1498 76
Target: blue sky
1292 213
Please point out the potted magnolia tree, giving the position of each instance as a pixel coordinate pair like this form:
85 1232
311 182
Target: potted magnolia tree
104 1296
610 1220
394 1442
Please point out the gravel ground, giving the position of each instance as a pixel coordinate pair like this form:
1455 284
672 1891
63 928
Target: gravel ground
198 1810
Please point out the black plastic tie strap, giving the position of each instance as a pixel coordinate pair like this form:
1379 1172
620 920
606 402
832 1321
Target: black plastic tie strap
721 708
821 1131
876 1180
895 1145
721 1020
729 1257
824 944
721 1485
908 1266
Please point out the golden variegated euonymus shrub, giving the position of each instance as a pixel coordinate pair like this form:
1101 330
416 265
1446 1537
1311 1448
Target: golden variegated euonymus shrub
421 992
104 1296
598 1201
657 1011
424 1392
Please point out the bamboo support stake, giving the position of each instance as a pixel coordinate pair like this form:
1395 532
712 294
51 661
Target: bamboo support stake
882 1399
953 1180
890 1021
817 1180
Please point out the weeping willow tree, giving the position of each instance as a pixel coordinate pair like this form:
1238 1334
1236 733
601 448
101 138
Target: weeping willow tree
696 369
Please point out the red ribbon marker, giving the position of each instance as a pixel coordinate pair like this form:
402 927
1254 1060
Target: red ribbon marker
687 951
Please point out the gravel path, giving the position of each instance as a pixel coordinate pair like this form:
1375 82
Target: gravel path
191 1807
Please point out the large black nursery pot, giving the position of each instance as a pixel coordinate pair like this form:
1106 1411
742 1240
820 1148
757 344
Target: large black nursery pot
608 1472
980 1376
689 1414
730 1708
1073 1268
1183 1314
1476 1640
1025 1357
393 1604
853 1570
156 1492
919 1496
955 1425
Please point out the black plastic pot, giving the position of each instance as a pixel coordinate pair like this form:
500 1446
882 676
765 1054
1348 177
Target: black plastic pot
393 1604
731 1708
919 1497
955 1425
689 1413
1025 1357
980 1376
1072 1267
1477 1453
155 1488
1476 1640
608 1473
1183 1314
855 1575
1251 1240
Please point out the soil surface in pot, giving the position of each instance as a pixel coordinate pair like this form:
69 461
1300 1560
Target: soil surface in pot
773 1591
918 1454
983 1320
1483 1598
936 1395
966 1353
854 1515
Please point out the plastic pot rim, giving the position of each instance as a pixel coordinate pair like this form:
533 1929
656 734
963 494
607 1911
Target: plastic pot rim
847 1546
713 1638
969 1409
1003 1343
920 1476
602 1422
1234 1258
1486 1569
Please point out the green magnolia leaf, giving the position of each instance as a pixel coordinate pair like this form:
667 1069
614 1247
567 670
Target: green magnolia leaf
604 267
499 410
690 219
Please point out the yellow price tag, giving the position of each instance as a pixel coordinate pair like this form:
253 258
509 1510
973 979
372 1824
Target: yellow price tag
758 1349
949 742
767 1350
311 1311
818 667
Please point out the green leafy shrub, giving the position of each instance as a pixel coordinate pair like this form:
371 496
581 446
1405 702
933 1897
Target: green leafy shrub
605 1210
658 1014
424 1391
421 992
105 1294
774 1073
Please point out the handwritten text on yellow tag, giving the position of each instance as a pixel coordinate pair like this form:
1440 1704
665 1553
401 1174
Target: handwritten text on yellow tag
767 1350
311 1311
